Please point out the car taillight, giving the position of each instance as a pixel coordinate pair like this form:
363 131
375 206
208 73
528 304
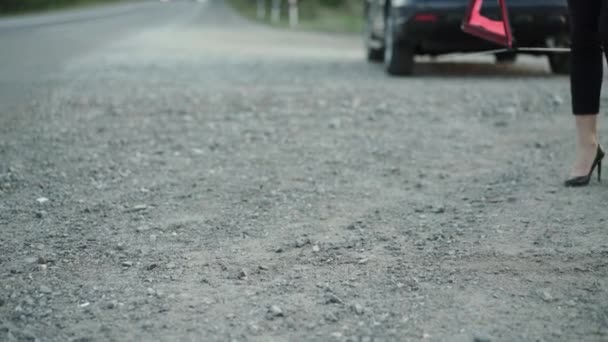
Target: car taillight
425 17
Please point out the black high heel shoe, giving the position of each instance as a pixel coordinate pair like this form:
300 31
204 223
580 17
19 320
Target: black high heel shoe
584 180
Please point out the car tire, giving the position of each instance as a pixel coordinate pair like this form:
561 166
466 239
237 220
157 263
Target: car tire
560 63
506 58
398 58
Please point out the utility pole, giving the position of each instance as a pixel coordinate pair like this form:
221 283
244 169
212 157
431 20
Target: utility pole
293 13
275 14
261 9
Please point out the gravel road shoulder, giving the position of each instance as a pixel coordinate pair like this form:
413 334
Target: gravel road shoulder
200 179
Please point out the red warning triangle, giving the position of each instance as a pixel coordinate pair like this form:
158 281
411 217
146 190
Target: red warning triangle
496 31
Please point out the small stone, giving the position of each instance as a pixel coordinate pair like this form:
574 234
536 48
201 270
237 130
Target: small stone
31 260
254 328
557 100
45 289
127 263
330 317
546 296
42 260
41 214
139 207
42 200
335 123
275 311
337 335
363 261
482 338
278 250
510 111
171 266
29 301
112 305
439 210
142 229
151 266
358 309
331 298
150 291
242 274
263 268
301 242
316 249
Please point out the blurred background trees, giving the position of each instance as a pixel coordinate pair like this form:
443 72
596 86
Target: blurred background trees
314 7
318 15
20 6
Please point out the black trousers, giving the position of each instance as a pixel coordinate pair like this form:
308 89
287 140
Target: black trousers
589 35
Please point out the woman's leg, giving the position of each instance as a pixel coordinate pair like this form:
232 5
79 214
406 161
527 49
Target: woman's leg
586 143
586 79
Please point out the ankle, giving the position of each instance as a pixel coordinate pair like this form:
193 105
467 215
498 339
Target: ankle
588 144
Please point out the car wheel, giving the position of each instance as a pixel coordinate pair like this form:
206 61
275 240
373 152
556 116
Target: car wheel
506 58
375 53
398 58
560 63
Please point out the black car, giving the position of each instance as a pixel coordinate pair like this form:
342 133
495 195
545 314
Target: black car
398 30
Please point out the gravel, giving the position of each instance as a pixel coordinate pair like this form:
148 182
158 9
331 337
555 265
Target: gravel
275 311
331 298
358 309
45 289
301 242
265 185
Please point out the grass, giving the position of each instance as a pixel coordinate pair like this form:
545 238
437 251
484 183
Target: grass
15 7
313 17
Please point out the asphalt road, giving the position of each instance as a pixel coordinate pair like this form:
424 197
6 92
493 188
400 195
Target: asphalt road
173 172
36 48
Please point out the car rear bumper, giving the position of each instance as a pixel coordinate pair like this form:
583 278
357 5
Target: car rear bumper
437 29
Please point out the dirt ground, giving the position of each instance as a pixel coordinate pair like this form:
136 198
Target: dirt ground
215 180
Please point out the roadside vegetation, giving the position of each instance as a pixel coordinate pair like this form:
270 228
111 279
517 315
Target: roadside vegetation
317 15
23 6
